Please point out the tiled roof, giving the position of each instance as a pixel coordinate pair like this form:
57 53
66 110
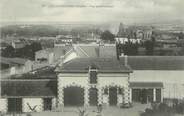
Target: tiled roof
146 85
96 50
61 50
91 51
29 88
41 73
84 50
19 61
155 62
102 64
107 51
57 50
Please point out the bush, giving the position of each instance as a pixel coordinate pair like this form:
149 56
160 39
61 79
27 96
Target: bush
28 114
155 105
158 110
163 107
179 108
150 112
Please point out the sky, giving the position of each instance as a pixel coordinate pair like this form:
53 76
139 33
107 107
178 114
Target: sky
128 11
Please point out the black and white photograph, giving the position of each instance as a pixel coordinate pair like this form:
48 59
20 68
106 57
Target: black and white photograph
91 57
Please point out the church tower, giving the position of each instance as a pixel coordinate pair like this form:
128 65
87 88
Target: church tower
122 31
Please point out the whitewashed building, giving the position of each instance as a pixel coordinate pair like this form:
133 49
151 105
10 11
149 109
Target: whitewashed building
93 81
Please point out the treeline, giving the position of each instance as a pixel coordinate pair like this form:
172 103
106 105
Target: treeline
147 48
42 30
46 30
130 48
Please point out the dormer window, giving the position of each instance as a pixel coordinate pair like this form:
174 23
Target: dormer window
93 76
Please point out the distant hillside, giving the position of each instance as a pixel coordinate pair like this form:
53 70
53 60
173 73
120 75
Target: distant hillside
34 30
47 30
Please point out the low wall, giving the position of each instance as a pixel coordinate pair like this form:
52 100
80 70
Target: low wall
32 104
3 105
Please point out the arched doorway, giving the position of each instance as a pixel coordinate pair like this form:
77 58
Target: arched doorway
93 96
73 96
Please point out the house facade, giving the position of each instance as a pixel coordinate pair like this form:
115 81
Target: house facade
93 81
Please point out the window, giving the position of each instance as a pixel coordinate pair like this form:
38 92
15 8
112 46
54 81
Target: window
106 91
93 77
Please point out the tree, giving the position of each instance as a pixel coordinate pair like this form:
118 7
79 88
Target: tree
129 48
181 52
35 46
181 35
28 51
149 45
107 36
9 51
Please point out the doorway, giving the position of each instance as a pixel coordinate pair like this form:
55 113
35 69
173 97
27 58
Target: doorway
15 105
93 96
47 104
112 96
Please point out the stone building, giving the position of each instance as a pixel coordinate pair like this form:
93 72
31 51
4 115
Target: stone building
93 81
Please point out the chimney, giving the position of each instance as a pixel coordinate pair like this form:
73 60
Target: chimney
126 60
